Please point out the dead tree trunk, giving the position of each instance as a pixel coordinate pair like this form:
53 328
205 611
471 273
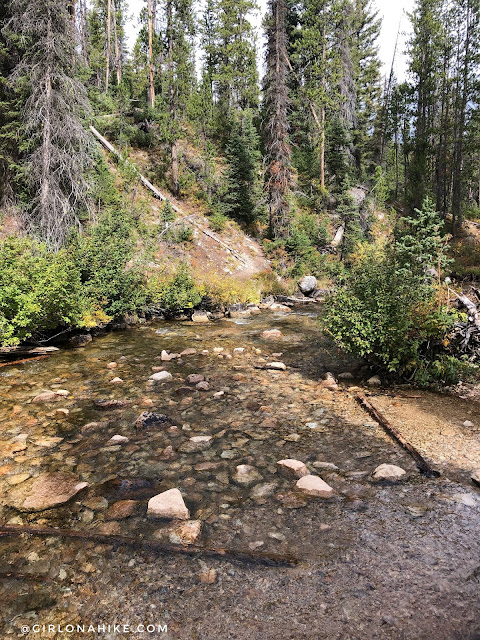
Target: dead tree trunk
108 52
422 464
151 74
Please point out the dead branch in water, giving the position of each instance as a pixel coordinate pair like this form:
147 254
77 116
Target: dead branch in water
422 464
253 557
5 364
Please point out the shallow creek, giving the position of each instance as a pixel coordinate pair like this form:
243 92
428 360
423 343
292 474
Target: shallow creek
376 560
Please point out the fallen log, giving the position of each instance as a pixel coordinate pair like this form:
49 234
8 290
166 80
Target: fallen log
422 464
6 364
161 196
253 557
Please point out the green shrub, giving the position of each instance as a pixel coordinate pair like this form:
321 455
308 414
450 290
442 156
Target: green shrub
174 293
388 311
217 221
102 256
39 290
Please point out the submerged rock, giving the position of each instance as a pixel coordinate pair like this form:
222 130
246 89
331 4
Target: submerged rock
161 376
117 439
168 504
272 334
311 485
388 472
292 467
149 419
46 491
276 366
196 443
195 378
121 509
81 340
246 475
186 533
46 396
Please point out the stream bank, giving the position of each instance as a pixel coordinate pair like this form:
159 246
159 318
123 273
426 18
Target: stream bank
376 560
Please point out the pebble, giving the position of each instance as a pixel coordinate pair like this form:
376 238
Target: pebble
329 466
161 376
186 533
112 365
168 504
314 486
276 366
263 490
272 334
388 472
117 439
196 443
116 381
468 423
246 475
121 509
208 577
292 467
195 378
203 386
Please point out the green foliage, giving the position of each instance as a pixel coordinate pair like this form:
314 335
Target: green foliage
386 308
39 290
218 221
101 256
380 188
241 187
174 293
168 214
419 243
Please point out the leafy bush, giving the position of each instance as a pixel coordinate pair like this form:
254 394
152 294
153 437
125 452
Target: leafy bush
222 291
102 256
217 221
174 292
387 309
39 290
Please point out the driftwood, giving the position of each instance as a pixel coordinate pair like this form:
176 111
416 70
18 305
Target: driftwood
6 364
465 337
253 557
422 464
161 196
27 350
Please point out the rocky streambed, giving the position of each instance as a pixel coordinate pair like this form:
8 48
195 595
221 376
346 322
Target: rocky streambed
230 435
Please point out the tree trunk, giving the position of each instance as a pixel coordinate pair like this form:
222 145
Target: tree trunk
118 56
322 112
108 52
457 186
171 99
151 76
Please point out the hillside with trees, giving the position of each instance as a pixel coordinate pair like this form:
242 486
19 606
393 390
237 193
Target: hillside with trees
370 184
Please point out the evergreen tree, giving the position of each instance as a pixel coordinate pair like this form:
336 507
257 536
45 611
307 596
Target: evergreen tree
242 179
276 102
58 144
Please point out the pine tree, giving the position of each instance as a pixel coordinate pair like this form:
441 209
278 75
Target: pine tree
276 102
58 144
242 179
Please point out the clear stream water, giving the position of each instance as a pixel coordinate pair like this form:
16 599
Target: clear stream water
375 561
